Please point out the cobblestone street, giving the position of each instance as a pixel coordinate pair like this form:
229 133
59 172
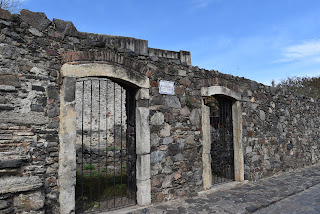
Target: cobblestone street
292 192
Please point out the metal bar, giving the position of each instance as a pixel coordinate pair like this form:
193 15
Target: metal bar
225 140
99 149
107 144
127 141
121 147
91 147
134 147
114 144
82 112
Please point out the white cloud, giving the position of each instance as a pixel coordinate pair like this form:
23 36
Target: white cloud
307 51
201 3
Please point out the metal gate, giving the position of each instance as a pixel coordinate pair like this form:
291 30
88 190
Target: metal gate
106 156
221 130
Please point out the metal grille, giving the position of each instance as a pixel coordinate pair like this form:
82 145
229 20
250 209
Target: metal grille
106 156
221 130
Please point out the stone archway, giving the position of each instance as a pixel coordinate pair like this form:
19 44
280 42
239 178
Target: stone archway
237 134
67 129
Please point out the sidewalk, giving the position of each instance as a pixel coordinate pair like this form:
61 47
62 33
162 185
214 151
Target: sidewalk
249 198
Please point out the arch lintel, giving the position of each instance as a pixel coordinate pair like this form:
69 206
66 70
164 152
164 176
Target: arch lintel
220 90
104 70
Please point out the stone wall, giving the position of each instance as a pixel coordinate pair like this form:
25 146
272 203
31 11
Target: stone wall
280 129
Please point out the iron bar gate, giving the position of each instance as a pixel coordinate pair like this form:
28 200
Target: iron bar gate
106 156
221 130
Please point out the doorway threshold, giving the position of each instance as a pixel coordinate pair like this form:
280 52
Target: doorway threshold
222 187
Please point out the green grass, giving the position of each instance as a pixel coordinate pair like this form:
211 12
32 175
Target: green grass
89 166
115 186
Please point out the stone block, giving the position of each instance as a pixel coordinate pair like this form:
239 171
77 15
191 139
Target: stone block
165 132
172 102
53 92
3 100
173 149
195 117
31 118
157 119
30 201
4 14
37 108
143 167
3 204
12 163
144 192
9 79
143 103
185 81
142 131
154 58
54 112
69 88
53 125
143 94
35 32
167 181
4 107
65 27
7 88
262 115
182 73
38 88
19 184
7 211
185 111
36 20
157 156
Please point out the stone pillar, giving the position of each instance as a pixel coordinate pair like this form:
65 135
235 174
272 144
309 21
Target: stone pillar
67 151
237 141
143 174
206 147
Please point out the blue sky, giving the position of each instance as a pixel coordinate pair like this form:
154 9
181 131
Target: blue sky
257 39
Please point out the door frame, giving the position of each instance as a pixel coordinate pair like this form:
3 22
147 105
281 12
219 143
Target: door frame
237 134
67 129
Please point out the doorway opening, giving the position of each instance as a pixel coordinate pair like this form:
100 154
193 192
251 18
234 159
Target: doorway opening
105 145
222 149
221 132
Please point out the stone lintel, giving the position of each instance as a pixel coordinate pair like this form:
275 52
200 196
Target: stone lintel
104 70
220 90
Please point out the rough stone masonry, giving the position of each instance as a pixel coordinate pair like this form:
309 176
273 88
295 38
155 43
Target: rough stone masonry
279 130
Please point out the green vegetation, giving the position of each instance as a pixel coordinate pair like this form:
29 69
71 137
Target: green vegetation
110 186
89 167
307 86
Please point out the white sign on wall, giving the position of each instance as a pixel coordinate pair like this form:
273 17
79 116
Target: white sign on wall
166 87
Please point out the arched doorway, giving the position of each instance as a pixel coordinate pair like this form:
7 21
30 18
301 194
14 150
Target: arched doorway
222 153
104 160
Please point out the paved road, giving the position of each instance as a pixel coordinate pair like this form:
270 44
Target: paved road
306 202
270 195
